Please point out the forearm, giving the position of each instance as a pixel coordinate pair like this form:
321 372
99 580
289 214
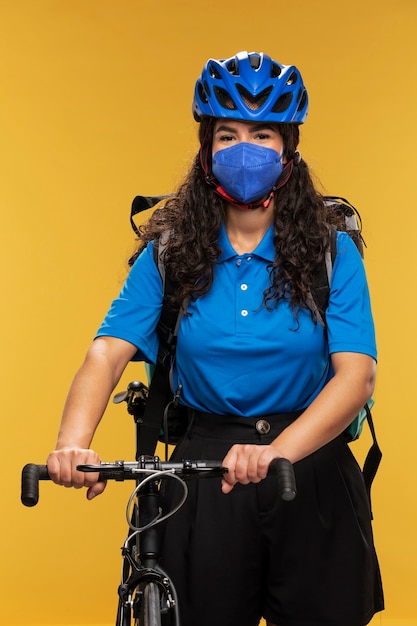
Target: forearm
332 411
89 394
326 417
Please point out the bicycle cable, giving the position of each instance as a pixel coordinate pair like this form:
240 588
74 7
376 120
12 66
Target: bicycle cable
153 474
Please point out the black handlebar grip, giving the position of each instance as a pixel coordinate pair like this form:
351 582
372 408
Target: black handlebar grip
283 470
31 475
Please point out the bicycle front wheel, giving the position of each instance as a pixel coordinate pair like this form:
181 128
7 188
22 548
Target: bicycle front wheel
150 612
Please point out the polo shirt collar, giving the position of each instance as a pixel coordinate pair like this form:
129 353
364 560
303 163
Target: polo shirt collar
265 249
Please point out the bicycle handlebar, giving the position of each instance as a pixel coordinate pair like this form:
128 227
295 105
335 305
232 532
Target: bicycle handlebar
121 470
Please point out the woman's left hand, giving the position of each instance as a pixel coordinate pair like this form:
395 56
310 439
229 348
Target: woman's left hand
327 417
247 463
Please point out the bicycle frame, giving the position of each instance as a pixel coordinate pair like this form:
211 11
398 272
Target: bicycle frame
141 553
141 556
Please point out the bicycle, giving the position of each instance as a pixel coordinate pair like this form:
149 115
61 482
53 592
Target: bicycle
146 592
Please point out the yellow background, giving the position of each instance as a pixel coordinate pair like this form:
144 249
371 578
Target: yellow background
95 100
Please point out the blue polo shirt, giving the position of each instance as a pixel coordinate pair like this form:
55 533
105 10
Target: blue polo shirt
236 357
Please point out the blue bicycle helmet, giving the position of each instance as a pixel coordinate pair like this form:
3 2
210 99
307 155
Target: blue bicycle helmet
251 87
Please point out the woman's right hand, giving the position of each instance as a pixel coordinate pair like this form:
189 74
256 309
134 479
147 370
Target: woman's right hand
87 399
62 470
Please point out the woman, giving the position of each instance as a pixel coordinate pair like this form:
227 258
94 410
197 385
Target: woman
262 374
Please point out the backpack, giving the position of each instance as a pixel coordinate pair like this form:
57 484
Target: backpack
162 402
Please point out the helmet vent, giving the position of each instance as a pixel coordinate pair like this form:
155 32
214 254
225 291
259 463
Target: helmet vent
214 72
202 93
207 88
282 103
255 61
292 79
232 67
254 103
302 101
224 99
275 70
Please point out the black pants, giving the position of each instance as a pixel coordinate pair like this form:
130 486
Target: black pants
236 558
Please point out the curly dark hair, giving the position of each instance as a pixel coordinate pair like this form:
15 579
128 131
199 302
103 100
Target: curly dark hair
193 217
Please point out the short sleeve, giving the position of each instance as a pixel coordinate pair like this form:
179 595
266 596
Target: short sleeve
134 314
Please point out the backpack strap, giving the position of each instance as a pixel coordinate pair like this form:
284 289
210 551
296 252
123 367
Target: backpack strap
160 394
158 399
321 293
373 458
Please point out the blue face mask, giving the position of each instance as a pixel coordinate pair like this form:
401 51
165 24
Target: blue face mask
246 171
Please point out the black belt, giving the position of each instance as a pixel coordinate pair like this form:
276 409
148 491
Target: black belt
237 427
